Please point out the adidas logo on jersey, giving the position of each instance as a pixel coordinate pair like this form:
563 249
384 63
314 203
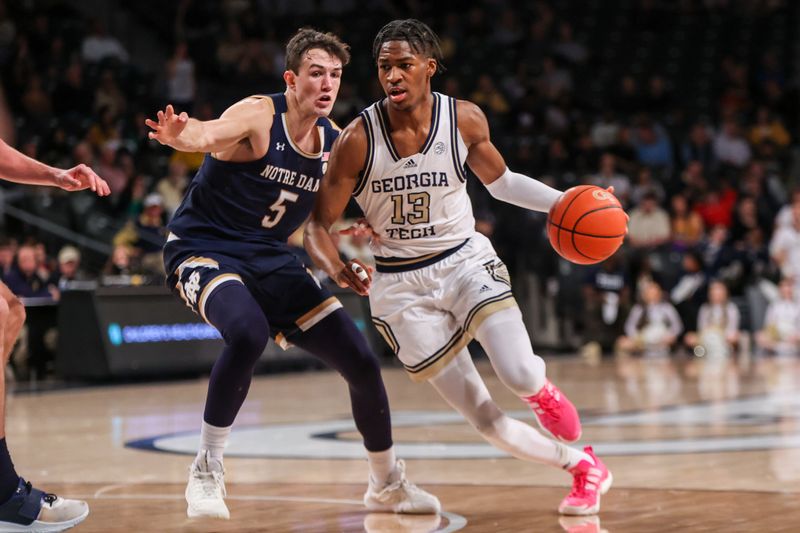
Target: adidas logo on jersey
484 289
410 164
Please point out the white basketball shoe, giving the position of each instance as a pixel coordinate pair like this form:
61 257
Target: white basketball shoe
399 495
205 492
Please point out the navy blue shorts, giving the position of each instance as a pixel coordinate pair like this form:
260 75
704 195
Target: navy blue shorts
292 299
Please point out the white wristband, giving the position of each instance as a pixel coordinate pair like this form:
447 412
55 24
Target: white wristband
520 190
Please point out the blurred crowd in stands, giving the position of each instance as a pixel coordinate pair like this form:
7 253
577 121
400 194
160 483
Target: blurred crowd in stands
688 108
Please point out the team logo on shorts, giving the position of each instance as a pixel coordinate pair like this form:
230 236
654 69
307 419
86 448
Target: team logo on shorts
439 148
499 271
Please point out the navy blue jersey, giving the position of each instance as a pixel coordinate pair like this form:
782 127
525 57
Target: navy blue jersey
254 207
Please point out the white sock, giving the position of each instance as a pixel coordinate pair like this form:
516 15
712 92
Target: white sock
214 439
570 457
381 465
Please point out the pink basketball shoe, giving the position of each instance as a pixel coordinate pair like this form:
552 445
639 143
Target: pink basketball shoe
589 481
556 415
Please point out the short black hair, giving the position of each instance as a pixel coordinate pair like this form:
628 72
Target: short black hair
305 39
419 36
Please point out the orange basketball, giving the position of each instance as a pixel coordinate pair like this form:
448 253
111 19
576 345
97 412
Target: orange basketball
586 225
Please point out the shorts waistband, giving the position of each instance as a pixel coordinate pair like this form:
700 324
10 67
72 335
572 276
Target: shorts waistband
404 264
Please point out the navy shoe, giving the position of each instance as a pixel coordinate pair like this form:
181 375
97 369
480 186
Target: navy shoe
30 509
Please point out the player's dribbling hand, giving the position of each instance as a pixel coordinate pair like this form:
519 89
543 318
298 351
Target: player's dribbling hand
355 275
169 125
82 177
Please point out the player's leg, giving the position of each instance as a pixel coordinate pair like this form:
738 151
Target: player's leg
231 309
22 507
460 384
503 336
336 340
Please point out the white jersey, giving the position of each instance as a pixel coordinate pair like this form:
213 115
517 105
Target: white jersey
418 205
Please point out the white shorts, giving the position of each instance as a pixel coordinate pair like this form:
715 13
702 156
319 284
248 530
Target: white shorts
429 314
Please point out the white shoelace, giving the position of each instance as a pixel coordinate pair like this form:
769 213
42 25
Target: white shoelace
211 484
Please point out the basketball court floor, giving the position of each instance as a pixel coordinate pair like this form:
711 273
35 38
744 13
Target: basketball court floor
693 445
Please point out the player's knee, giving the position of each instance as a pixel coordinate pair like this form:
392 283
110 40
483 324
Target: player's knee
363 366
525 377
248 334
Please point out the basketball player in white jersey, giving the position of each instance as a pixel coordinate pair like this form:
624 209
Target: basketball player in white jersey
439 283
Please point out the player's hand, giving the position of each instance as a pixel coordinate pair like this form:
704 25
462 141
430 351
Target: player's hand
168 127
82 177
361 230
355 275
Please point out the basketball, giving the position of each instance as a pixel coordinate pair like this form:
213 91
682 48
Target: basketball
586 225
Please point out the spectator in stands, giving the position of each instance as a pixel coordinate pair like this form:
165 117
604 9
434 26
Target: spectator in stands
230 48
99 45
717 324
554 80
781 332
628 101
147 234
652 326
689 292
24 280
686 225
121 263
747 218
172 186
730 147
567 48
74 97
653 147
607 299
69 268
608 176
644 185
715 207
489 98
785 248
105 130
181 85
108 95
698 147
785 216
649 225
658 99
717 251
605 130
768 129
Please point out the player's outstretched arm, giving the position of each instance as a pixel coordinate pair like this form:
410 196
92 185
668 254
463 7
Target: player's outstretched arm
244 120
486 162
347 157
19 168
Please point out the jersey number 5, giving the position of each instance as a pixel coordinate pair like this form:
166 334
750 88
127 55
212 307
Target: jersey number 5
279 208
420 212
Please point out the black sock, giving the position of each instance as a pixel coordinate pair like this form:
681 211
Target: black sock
9 479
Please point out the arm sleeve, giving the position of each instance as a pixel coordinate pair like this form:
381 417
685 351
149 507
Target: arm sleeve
522 191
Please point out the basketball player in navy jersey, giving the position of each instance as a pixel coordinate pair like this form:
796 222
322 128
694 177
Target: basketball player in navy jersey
228 260
23 507
439 283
